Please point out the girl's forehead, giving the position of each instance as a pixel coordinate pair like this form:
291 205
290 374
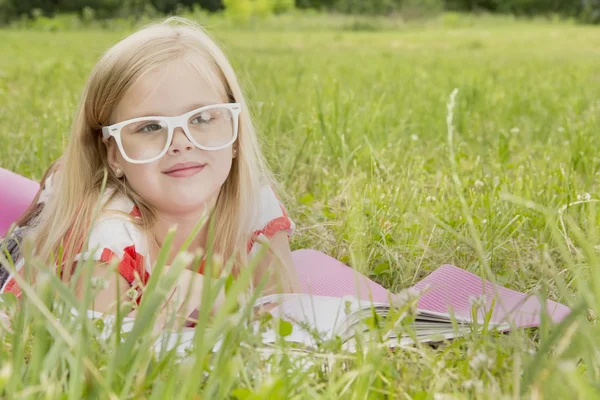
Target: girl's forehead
170 89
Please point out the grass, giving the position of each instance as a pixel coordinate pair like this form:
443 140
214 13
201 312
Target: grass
354 123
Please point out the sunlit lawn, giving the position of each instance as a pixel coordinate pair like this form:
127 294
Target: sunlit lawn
355 126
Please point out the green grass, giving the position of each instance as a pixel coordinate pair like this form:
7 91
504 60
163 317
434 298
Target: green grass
354 123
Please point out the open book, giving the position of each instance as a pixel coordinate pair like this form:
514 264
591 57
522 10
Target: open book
446 294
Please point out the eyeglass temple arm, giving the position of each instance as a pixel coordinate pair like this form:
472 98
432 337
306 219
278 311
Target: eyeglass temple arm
106 132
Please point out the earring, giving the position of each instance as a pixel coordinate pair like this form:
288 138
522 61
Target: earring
234 152
119 173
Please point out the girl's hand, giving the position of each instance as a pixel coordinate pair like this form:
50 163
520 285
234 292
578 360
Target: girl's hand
184 298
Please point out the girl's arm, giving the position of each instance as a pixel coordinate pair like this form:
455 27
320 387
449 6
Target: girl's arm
105 300
279 265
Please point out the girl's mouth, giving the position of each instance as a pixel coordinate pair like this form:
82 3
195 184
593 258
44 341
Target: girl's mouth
182 170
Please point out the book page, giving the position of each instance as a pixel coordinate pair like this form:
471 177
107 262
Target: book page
450 287
329 316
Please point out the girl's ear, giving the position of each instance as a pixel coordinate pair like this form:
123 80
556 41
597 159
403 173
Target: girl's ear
112 155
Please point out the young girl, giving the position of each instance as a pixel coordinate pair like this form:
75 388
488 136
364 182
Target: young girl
164 116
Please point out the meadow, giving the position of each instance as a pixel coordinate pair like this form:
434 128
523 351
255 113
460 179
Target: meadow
377 171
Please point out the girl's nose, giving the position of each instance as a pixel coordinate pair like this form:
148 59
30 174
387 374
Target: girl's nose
180 142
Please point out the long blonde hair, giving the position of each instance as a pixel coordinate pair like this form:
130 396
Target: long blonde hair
66 218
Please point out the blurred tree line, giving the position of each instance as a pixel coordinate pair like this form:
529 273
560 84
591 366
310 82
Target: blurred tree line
585 10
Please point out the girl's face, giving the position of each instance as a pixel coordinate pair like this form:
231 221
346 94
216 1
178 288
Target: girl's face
186 179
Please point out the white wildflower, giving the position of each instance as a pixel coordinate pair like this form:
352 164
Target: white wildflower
481 361
132 293
414 137
484 221
479 184
6 374
405 296
561 129
515 130
496 181
184 257
567 365
478 302
99 282
471 384
430 199
4 322
584 197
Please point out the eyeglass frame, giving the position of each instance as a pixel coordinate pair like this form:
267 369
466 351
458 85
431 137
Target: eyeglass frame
180 121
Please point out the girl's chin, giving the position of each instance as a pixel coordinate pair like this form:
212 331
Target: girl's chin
186 205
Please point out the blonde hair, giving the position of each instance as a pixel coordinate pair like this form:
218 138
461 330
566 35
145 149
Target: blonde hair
66 218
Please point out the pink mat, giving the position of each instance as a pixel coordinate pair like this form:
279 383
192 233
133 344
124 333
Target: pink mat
16 193
323 275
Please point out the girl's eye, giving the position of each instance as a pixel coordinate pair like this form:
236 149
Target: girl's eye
149 128
202 118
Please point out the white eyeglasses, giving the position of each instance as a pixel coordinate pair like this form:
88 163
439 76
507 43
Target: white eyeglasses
146 139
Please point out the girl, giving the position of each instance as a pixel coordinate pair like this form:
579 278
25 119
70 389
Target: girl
164 116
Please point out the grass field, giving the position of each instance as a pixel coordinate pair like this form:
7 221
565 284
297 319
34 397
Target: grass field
356 126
